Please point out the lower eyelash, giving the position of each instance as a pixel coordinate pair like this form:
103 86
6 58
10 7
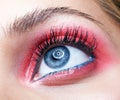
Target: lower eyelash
76 37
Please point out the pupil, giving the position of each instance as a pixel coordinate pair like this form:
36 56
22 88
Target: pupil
57 57
58 54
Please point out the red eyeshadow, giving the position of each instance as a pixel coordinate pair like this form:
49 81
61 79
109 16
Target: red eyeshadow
101 53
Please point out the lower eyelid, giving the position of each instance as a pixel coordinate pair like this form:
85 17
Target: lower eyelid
72 68
67 77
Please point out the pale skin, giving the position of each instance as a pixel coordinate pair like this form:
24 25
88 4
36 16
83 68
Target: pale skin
103 86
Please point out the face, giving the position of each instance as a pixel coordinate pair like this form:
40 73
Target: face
55 50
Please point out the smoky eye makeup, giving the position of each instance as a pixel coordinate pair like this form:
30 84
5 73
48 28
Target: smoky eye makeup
64 55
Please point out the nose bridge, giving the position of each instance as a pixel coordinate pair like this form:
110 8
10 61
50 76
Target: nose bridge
3 72
2 82
3 95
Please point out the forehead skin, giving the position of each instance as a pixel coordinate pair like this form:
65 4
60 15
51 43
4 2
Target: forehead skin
11 89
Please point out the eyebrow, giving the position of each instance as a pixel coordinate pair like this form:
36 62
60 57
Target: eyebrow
32 19
112 8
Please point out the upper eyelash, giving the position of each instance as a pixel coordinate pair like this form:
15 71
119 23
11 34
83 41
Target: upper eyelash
69 38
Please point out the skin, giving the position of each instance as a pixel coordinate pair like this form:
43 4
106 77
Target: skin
103 86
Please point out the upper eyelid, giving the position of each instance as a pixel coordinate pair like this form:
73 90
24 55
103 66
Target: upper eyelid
30 20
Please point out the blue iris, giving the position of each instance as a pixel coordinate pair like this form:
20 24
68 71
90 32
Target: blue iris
57 57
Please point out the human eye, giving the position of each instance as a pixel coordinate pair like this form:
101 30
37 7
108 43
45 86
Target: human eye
62 55
65 52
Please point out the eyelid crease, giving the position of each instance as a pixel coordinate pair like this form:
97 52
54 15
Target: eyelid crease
37 16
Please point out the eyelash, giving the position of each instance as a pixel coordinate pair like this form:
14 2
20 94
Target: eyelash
69 38
76 37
